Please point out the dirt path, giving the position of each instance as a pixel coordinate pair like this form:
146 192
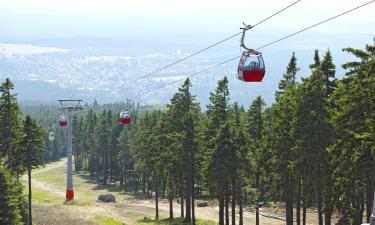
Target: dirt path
50 166
45 186
127 209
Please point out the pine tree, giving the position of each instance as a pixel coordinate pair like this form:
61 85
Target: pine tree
289 77
352 151
220 164
328 71
10 205
31 151
313 132
317 63
279 140
255 127
9 119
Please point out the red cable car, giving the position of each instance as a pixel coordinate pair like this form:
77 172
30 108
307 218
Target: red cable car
251 67
125 118
63 121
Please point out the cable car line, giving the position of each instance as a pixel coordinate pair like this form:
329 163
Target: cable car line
192 75
263 46
317 24
211 46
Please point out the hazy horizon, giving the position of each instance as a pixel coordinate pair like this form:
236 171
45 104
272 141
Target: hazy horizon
81 46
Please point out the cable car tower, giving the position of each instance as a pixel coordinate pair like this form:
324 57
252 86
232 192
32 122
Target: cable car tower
67 108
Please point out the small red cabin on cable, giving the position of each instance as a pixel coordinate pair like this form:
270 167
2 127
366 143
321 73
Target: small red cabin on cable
63 121
251 67
125 118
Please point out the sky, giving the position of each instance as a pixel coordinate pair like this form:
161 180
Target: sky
139 18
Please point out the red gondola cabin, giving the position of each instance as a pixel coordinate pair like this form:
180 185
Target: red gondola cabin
251 67
63 121
125 118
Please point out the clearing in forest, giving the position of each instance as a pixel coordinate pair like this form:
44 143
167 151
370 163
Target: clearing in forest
48 186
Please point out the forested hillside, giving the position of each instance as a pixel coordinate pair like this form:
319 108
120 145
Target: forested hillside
312 148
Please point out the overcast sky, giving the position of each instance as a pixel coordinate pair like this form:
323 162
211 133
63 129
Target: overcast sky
132 18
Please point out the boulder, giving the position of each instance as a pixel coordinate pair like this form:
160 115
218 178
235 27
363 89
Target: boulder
107 198
202 203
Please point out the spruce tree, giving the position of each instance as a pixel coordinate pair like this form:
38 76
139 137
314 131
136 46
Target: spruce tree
289 77
10 132
10 205
31 151
353 121
220 164
328 71
317 63
255 127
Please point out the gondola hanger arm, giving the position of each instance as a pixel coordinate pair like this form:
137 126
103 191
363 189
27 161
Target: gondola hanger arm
244 29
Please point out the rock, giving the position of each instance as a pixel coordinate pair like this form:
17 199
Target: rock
202 203
107 198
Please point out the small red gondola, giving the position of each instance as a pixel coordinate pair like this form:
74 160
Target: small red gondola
125 118
251 67
63 121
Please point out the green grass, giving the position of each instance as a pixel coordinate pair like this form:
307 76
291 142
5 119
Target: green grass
55 177
79 202
176 221
105 220
46 197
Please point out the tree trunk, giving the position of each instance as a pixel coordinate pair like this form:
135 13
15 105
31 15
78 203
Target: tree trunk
328 208
221 209
30 203
320 211
188 199
105 168
126 180
135 179
257 200
369 200
156 200
289 201
304 213
144 183
110 167
234 200
192 182
182 203
92 163
163 188
121 174
240 208
226 207
298 212
192 199
170 206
